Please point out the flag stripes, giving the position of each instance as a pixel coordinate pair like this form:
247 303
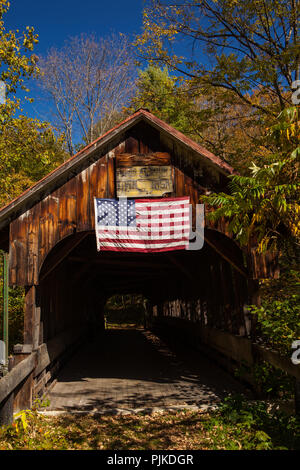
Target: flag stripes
145 225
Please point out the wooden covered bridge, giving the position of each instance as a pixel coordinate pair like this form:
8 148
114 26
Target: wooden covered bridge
49 233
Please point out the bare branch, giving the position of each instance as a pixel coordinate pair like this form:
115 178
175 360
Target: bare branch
87 81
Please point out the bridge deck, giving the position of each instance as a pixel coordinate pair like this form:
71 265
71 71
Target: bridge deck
130 370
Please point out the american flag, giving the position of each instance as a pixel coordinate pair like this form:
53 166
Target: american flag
142 225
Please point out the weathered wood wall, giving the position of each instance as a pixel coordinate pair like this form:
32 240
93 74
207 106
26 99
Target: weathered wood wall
209 292
64 212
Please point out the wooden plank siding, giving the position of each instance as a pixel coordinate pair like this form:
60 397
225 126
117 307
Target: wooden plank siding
64 212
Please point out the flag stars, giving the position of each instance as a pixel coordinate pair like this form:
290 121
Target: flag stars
116 213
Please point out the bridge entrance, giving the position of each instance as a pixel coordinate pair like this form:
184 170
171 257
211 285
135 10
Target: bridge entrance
120 367
197 286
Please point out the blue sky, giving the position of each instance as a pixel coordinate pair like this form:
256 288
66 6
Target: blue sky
57 20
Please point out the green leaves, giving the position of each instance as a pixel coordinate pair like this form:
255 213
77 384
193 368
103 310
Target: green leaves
265 207
248 46
162 94
17 64
279 315
29 149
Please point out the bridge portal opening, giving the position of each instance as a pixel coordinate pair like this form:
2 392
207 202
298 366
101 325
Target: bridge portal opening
125 311
78 284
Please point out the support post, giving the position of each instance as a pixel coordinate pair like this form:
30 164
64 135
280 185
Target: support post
5 306
6 411
31 317
23 398
23 394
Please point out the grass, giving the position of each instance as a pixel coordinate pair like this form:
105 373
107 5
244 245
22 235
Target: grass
236 425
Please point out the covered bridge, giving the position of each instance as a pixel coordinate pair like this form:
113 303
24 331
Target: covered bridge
49 232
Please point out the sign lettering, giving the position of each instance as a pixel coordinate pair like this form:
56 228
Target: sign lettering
144 181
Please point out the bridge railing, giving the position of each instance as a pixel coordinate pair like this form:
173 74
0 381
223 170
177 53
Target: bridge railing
33 371
229 350
10 385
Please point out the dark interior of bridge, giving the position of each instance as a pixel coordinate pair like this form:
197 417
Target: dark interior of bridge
188 284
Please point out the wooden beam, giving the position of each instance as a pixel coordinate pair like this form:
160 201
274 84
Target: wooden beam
122 279
50 351
181 267
32 317
81 272
92 274
239 268
118 262
9 382
29 314
126 160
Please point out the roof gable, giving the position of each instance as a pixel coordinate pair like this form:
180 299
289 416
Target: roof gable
91 153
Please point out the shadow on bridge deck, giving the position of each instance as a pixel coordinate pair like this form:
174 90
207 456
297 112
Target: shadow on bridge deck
131 370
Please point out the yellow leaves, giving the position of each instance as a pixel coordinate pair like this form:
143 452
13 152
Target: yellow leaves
28 150
295 220
288 134
23 417
291 131
263 244
16 66
4 6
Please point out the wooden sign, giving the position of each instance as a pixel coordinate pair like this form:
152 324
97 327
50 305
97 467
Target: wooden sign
144 181
126 160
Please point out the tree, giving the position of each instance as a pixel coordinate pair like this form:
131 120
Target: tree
88 81
243 77
249 46
17 63
162 94
29 149
210 117
264 208
229 129
108 121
